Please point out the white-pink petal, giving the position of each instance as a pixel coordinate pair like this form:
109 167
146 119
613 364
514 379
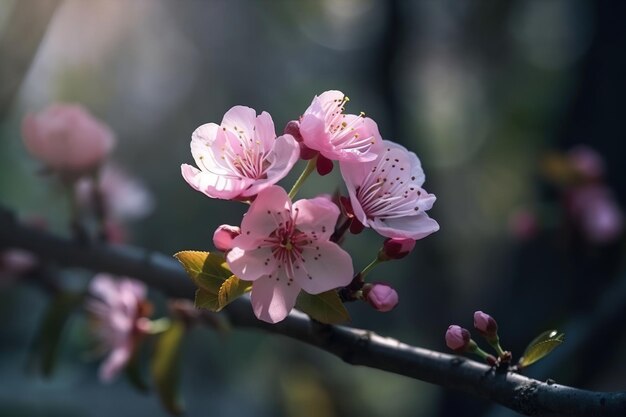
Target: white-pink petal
273 298
327 266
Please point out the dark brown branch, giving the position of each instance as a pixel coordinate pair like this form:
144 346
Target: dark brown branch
354 346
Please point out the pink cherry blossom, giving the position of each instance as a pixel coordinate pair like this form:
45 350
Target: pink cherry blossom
338 136
387 195
67 139
116 307
240 157
285 247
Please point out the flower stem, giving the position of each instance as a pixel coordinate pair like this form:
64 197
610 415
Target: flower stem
310 166
371 266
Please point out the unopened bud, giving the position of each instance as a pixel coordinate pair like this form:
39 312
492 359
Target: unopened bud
396 248
458 339
381 296
293 128
224 236
485 324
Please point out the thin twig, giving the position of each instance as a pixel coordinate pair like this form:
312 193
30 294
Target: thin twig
354 346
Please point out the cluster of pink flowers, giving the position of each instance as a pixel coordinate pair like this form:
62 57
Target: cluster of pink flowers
285 246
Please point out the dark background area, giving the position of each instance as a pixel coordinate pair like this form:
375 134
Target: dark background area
482 91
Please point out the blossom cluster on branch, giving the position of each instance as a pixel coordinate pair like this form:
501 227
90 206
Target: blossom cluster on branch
284 246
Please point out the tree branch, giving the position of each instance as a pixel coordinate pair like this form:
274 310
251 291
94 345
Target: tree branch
354 346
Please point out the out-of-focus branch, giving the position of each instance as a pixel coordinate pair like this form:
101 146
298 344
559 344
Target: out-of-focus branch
354 346
19 42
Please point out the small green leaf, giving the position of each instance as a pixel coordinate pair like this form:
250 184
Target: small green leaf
325 307
541 347
207 270
231 289
206 299
50 335
165 367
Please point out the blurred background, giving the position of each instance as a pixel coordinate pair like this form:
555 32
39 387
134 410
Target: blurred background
496 98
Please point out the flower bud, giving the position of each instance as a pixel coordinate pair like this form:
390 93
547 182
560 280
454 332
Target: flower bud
457 338
396 248
224 236
381 296
67 139
293 128
485 324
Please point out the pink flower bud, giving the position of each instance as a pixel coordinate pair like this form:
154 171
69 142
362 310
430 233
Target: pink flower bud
396 248
485 324
324 165
381 296
224 236
457 338
67 139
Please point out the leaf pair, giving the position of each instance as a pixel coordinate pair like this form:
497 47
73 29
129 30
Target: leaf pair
217 286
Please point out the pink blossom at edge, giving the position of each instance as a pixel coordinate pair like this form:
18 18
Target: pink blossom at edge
387 195
240 157
285 247
337 136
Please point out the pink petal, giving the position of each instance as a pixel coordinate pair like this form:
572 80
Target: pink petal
240 118
115 362
328 266
249 265
282 158
270 207
413 227
317 214
213 185
264 130
272 299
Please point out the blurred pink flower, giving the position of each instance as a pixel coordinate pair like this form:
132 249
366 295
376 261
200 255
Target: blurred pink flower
596 212
117 307
285 247
381 296
240 157
587 162
338 136
67 139
124 197
386 194
14 263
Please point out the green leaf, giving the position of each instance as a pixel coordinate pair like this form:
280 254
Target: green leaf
165 367
231 289
325 307
50 335
135 375
207 270
206 299
541 347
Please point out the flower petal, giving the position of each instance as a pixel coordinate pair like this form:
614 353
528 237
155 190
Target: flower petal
264 130
240 118
271 207
273 298
249 265
115 362
213 185
413 227
327 266
317 215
